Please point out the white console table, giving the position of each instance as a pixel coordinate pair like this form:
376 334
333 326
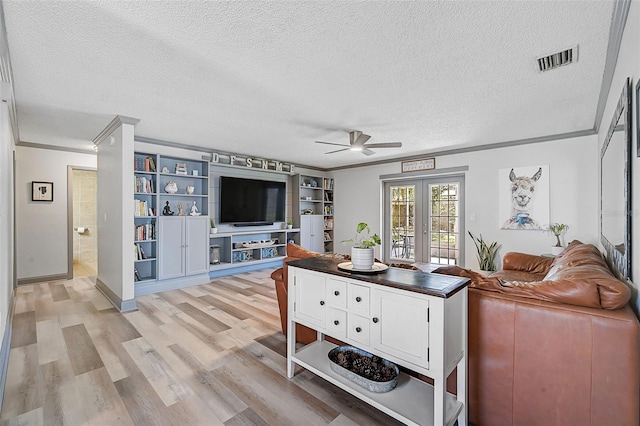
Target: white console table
412 318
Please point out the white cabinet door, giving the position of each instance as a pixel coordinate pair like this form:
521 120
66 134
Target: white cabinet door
197 245
312 232
171 243
400 326
310 304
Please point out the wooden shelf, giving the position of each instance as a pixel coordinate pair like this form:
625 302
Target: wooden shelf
411 401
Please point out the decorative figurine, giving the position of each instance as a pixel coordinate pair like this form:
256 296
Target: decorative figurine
194 210
180 210
167 210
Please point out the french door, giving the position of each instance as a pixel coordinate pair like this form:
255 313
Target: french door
424 220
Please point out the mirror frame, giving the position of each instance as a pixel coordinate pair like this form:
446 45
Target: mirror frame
620 262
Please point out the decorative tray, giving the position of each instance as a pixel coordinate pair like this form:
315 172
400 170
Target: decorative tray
375 269
347 360
257 244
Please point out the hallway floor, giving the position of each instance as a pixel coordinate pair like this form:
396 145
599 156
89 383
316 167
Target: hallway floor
205 355
81 270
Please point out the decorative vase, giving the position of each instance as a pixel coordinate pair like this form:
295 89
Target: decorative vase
189 189
556 250
362 258
171 187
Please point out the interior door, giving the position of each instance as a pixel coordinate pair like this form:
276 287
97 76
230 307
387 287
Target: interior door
423 220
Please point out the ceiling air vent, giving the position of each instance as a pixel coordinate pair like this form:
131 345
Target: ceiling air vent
558 59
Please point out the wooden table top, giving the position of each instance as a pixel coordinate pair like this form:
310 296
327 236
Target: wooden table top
405 279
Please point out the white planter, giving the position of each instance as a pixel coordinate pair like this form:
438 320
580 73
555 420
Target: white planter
555 250
214 230
362 258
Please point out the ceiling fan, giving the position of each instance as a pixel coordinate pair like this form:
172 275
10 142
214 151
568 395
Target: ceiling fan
358 142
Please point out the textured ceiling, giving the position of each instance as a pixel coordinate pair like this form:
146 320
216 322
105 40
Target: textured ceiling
268 78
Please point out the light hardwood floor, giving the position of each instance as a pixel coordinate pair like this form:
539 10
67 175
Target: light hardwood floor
204 355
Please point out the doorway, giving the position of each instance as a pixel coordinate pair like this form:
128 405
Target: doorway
423 220
82 185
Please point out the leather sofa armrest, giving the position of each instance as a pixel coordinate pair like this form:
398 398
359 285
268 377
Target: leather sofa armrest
515 261
278 274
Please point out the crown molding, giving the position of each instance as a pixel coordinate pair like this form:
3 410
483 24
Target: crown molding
117 121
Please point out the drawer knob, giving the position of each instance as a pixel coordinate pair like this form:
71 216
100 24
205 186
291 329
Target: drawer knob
375 320
322 303
358 329
358 299
337 293
336 322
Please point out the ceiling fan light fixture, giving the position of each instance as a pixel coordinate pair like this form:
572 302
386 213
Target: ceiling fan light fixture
356 148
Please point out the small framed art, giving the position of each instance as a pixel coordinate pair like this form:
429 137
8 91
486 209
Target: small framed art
41 191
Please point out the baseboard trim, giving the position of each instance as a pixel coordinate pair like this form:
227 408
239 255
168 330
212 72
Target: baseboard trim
217 273
121 305
43 278
6 346
149 287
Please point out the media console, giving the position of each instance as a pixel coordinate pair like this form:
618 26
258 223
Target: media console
412 318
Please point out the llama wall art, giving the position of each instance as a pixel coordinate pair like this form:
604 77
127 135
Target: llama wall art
524 197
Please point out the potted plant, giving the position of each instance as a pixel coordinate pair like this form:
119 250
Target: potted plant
214 230
290 224
557 229
486 253
363 244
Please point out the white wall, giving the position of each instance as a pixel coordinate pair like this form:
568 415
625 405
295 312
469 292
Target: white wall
115 210
41 227
7 148
628 66
573 194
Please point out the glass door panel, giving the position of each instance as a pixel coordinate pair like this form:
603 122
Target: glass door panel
423 221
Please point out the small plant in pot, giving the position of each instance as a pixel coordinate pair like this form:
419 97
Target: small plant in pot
363 244
214 230
486 253
557 229
290 224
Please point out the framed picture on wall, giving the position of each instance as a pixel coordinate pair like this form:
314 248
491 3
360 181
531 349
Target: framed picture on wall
41 191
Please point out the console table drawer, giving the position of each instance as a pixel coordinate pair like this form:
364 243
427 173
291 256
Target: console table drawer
336 323
337 293
359 329
359 299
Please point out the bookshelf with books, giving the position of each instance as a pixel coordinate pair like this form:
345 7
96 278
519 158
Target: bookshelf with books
314 215
145 213
327 185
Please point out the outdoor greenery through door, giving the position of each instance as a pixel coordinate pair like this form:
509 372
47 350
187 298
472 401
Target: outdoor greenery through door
423 220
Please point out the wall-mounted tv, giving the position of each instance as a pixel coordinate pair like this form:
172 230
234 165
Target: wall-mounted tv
247 202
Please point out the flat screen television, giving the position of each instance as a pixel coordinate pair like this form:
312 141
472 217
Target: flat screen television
247 202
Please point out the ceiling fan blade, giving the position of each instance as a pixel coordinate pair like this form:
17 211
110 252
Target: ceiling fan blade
362 139
385 145
337 150
367 151
331 143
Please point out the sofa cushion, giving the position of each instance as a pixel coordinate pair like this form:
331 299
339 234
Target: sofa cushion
579 276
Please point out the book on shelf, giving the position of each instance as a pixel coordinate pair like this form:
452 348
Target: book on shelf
181 168
152 164
136 275
328 223
144 185
140 208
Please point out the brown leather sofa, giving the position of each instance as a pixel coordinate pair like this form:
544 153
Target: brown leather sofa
552 342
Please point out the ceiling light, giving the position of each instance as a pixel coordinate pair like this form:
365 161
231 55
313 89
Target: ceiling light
356 148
